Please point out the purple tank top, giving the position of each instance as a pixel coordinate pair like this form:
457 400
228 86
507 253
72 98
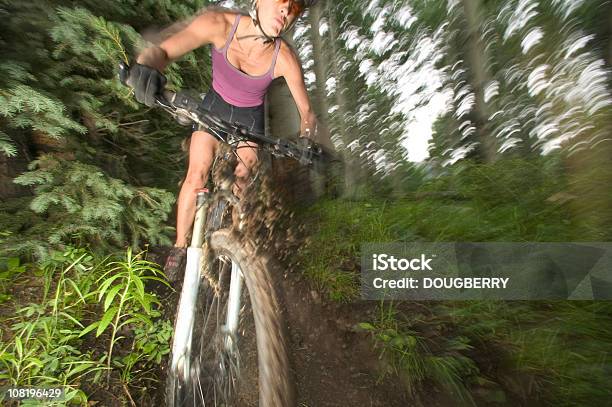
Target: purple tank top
235 86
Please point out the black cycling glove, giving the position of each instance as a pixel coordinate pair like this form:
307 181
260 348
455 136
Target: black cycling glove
147 82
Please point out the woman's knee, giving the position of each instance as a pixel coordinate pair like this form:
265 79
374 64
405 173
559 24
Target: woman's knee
247 154
196 177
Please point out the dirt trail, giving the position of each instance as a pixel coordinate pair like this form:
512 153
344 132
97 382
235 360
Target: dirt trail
333 363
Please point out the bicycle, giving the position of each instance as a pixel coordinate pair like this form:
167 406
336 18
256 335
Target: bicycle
218 321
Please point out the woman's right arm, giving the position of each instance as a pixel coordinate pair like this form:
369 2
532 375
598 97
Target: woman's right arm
206 28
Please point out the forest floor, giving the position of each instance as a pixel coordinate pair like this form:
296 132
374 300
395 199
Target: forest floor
334 362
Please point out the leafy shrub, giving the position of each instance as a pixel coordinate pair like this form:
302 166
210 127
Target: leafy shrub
44 342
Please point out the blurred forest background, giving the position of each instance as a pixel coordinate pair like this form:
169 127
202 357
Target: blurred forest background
457 120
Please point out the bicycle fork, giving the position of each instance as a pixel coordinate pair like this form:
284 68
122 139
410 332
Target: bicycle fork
233 307
181 348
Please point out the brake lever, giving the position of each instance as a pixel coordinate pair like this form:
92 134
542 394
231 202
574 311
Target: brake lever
309 151
165 100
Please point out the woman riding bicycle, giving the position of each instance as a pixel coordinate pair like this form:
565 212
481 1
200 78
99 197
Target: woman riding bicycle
247 54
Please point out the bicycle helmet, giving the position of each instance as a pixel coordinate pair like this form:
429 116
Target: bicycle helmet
299 6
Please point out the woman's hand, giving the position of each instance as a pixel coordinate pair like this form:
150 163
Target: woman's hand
147 83
308 125
307 134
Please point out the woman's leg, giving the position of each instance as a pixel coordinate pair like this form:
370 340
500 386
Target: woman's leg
202 150
247 157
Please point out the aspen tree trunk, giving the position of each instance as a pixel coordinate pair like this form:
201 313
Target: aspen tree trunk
475 61
320 57
319 175
352 170
609 55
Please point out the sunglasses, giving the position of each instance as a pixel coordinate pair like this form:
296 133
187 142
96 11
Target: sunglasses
296 7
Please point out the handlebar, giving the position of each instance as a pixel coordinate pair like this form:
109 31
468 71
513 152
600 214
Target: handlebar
187 110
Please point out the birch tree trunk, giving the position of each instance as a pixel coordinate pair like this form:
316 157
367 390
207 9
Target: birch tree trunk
475 62
319 57
352 170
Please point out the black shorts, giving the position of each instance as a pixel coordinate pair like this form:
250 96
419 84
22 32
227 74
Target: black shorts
250 117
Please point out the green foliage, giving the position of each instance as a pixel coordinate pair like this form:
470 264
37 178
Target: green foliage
62 99
560 348
6 145
74 28
510 200
419 360
83 205
150 343
330 259
563 347
494 200
121 290
10 268
100 168
26 107
485 352
45 344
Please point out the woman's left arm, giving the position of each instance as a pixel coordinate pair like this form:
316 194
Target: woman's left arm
292 71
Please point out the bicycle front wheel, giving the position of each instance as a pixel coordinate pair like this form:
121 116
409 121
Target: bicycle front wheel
236 352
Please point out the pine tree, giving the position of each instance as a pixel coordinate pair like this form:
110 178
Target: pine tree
101 164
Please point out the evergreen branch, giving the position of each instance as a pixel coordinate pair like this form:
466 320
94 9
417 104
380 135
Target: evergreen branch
84 204
17 71
113 34
7 146
27 107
